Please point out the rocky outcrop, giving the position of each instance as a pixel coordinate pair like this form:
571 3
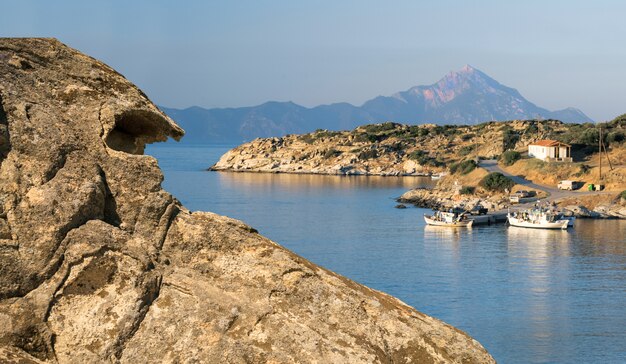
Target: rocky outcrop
446 198
387 149
332 154
99 264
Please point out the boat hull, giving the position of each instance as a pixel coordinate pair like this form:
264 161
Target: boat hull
559 224
430 221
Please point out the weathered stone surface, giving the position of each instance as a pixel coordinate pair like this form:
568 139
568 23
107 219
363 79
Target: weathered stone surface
99 264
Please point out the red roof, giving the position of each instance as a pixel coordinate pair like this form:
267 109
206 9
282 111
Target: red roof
550 143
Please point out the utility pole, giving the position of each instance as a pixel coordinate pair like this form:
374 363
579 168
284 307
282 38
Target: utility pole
600 152
607 155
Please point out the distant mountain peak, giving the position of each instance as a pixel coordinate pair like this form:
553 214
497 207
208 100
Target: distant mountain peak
465 96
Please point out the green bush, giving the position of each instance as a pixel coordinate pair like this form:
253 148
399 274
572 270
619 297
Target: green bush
416 155
509 157
468 136
361 138
438 129
615 137
496 181
308 138
368 154
467 149
509 138
330 153
590 136
467 190
623 195
583 169
464 167
378 128
619 121
531 129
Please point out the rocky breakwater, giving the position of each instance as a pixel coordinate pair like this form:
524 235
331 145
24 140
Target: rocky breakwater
99 264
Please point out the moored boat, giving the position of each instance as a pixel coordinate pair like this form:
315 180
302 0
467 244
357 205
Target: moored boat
438 175
450 219
538 219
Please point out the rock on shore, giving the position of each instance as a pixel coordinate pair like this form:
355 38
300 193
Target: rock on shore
99 264
332 155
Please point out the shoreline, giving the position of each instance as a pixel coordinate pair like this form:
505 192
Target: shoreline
613 208
355 174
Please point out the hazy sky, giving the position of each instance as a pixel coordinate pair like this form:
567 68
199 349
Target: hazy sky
241 53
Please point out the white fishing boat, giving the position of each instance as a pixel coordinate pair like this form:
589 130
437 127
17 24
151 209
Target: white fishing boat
570 220
440 218
438 175
537 219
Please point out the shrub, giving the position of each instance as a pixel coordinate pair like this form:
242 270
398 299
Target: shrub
619 121
467 190
422 132
330 153
361 138
509 138
465 150
378 128
623 195
590 136
496 181
368 154
531 129
373 138
438 129
424 159
583 169
308 138
615 137
464 167
509 157
468 136
416 155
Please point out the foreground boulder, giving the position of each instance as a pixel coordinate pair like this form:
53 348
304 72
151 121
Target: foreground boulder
99 264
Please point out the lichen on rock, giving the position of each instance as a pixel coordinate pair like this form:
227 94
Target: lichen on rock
99 264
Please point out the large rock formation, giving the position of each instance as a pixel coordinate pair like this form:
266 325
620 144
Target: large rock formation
99 264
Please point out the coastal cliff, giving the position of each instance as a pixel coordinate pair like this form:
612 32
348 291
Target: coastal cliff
99 264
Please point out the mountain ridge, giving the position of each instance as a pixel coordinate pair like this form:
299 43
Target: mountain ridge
467 96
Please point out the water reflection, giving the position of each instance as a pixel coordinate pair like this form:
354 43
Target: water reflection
538 239
307 181
446 234
534 254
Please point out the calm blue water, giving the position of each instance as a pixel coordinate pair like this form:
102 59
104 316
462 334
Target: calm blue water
529 296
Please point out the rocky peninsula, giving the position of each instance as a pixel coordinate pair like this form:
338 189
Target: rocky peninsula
392 149
387 149
99 264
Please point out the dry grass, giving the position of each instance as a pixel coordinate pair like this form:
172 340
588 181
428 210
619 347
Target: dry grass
589 201
550 174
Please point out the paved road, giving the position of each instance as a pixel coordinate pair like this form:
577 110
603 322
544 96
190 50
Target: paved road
554 193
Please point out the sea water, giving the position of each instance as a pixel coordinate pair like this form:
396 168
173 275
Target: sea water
529 296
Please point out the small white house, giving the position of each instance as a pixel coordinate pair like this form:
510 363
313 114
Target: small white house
550 151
